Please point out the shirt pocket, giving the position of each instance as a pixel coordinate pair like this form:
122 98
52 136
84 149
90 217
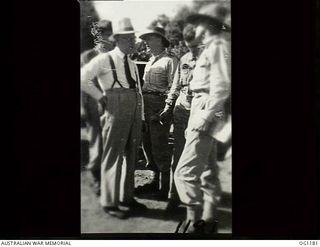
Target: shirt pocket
158 76
202 70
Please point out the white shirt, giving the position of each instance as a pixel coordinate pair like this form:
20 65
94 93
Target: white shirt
100 67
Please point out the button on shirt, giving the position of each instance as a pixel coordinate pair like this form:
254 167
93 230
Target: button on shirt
212 75
180 87
159 73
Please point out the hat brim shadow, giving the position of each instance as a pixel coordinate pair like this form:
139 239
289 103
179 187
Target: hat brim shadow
145 34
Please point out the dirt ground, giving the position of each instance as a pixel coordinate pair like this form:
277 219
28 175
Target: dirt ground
153 220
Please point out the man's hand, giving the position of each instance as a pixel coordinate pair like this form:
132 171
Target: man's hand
102 105
166 115
201 125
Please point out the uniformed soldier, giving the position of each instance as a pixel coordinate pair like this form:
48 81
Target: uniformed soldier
158 77
196 175
179 101
121 101
101 31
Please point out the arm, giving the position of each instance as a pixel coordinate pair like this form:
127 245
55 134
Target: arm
166 114
219 87
171 69
175 88
88 73
140 91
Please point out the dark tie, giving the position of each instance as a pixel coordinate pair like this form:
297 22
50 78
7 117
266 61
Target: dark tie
131 82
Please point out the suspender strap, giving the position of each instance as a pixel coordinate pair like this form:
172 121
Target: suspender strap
136 76
113 68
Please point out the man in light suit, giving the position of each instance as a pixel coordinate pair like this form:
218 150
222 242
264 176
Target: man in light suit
121 101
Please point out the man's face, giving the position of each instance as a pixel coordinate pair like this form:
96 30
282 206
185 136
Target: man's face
105 40
126 43
200 32
193 46
154 42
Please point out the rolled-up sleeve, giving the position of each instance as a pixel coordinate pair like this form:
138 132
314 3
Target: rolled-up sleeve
175 88
220 83
171 69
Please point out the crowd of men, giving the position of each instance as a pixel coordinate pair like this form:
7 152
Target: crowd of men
192 93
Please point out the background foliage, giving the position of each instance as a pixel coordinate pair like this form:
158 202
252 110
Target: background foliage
173 26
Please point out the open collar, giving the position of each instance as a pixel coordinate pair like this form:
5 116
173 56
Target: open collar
157 57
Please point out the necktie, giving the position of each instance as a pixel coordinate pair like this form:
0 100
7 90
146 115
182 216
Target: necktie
131 82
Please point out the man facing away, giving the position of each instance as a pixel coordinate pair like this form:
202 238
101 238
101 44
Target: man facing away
121 101
196 175
101 31
179 101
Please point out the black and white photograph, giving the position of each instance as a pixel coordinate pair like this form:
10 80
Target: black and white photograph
156 141
128 120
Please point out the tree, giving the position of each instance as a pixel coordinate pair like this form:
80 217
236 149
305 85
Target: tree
198 4
182 14
161 20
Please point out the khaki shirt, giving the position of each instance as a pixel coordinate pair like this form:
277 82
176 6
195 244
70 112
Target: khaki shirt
180 89
212 76
159 73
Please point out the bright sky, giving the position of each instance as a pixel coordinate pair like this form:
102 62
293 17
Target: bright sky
141 12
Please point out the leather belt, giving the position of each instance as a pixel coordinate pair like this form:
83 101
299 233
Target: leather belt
154 93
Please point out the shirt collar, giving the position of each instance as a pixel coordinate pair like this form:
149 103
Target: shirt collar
158 56
118 52
191 57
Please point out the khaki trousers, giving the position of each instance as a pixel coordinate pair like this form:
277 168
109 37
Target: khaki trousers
196 175
156 137
121 133
180 123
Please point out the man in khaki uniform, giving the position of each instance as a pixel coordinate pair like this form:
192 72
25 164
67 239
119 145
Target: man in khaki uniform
196 176
179 102
121 121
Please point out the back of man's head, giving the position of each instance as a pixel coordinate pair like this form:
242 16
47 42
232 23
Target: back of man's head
189 33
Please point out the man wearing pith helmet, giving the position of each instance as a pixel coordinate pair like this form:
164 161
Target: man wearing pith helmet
158 77
196 176
121 101
179 102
